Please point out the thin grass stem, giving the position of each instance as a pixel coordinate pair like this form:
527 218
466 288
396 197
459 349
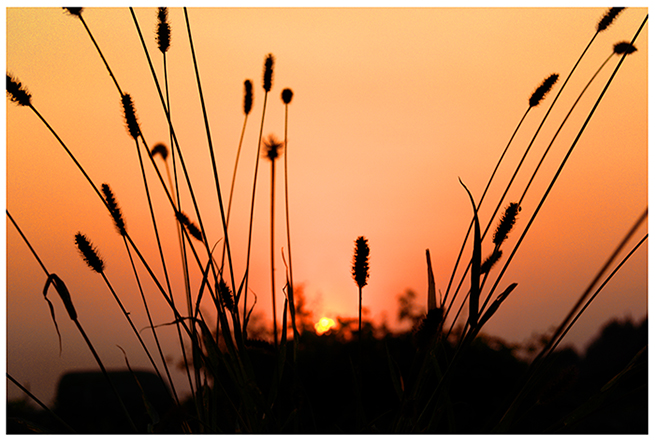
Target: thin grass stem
267 87
539 360
287 95
163 40
111 74
598 290
79 327
226 239
521 161
182 163
563 163
273 251
502 156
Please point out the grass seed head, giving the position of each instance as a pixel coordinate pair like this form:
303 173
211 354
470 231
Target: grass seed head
225 294
114 209
608 18
273 148
160 149
287 95
190 226
360 261
17 92
543 89
247 97
624 48
489 262
89 253
130 116
77 12
163 30
506 223
268 72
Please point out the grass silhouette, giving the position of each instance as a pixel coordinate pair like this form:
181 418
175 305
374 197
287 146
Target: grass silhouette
421 381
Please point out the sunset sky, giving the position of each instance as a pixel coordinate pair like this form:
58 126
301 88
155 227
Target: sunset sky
390 108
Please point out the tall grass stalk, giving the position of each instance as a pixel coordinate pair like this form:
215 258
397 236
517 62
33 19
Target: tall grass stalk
64 294
532 102
160 149
135 132
360 275
226 238
179 153
120 225
220 309
623 54
607 19
287 96
93 260
77 12
247 107
564 327
20 95
273 148
12 85
563 122
593 296
267 83
563 162
163 43
505 225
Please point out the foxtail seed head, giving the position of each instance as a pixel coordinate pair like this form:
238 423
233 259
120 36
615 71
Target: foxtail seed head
130 116
163 30
360 261
225 294
77 12
624 48
268 72
542 90
190 226
608 18
273 148
89 253
506 223
287 95
17 92
247 97
160 149
489 262
114 209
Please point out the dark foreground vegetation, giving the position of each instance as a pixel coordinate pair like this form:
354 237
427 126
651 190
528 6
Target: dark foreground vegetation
585 393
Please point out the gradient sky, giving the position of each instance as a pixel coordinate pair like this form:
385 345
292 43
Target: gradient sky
390 107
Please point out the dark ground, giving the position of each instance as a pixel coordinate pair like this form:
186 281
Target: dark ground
324 400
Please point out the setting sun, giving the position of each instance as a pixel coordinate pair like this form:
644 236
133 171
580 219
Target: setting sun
323 325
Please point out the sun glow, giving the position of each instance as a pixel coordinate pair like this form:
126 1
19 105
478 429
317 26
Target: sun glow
323 325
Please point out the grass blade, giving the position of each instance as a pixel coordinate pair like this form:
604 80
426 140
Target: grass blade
475 266
432 292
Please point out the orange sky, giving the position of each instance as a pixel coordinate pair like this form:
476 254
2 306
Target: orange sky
390 107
